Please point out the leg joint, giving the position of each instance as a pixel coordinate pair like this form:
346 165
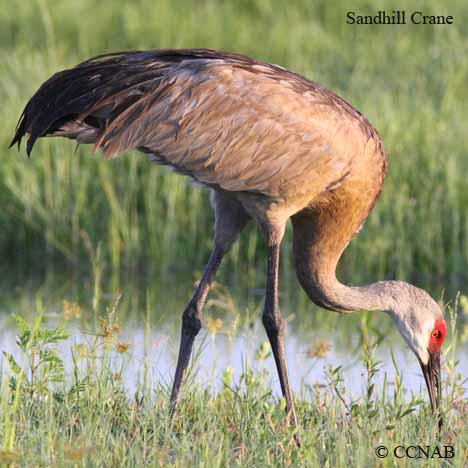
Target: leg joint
191 319
273 323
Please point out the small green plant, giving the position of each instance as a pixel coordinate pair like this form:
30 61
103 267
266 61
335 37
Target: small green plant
41 365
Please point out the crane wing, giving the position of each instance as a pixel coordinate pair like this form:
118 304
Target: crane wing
224 119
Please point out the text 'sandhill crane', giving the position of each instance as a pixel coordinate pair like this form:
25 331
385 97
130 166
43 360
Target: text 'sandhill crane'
272 146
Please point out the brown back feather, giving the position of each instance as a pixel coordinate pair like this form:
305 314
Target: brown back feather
223 118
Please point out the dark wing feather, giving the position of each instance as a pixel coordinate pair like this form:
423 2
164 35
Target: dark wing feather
70 93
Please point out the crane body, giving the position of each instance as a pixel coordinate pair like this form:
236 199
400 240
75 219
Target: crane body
272 146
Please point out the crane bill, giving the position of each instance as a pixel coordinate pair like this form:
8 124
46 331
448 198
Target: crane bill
431 372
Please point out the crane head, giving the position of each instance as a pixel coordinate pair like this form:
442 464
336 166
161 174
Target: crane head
421 323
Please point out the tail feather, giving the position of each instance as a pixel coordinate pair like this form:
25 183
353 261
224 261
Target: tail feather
62 99
80 102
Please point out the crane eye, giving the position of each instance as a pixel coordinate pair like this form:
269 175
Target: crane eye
435 333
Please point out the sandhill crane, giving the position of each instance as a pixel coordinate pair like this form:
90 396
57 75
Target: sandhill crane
272 146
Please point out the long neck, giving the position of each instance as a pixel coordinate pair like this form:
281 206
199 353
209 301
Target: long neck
320 238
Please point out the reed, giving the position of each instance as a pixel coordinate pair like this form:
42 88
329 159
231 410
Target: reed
410 82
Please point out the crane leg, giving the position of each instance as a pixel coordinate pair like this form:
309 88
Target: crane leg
230 219
274 326
191 322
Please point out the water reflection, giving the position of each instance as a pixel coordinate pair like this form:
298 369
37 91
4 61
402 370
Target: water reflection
150 323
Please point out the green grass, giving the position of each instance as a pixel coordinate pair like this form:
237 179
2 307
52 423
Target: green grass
87 417
410 81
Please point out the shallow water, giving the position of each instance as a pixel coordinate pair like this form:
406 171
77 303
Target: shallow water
150 324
